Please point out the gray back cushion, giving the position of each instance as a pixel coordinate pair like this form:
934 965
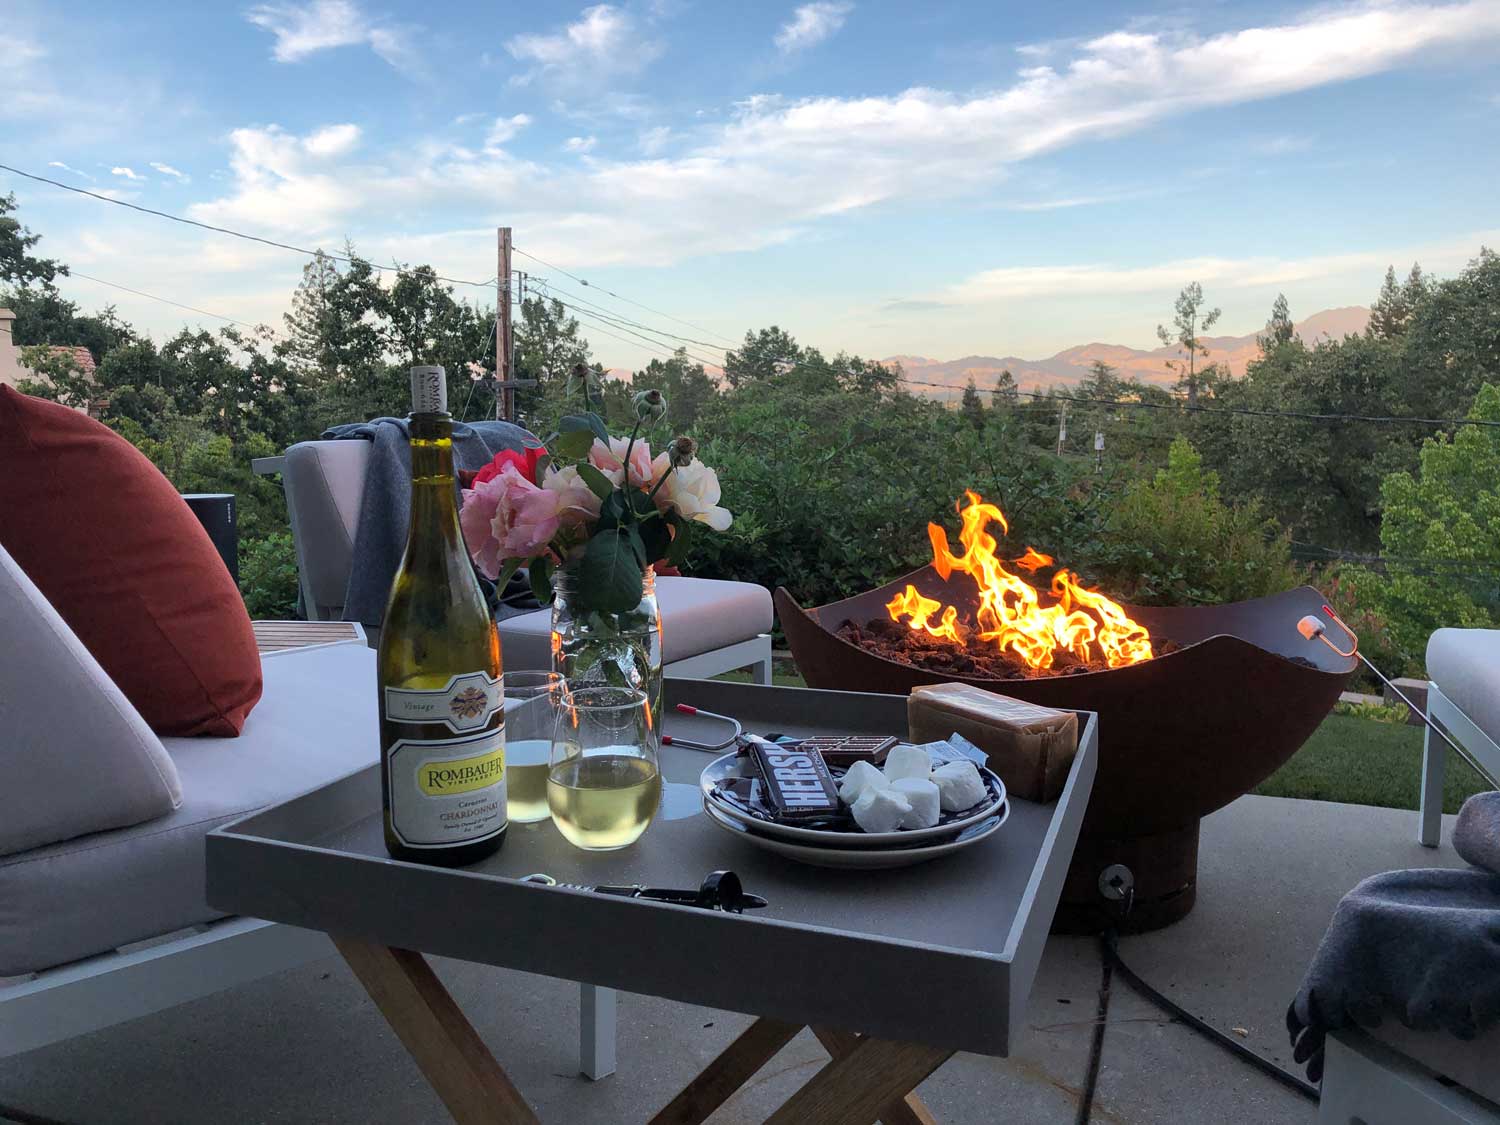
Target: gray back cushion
75 756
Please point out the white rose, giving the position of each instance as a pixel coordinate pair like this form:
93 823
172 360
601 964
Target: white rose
577 502
693 492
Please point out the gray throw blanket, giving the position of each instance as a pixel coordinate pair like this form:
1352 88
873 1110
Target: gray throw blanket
385 507
1422 945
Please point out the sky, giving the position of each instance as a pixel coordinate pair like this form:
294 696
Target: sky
944 179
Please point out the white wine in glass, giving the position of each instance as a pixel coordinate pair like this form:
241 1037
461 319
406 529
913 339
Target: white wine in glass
604 783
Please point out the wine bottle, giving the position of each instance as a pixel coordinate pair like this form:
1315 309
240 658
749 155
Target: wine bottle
442 735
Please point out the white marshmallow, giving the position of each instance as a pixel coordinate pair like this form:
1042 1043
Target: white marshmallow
959 786
881 809
907 761
924 798
859 777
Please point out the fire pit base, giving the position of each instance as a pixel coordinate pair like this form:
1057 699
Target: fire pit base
1165 868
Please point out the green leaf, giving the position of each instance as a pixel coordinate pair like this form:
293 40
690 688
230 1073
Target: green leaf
543 463
633 534
541 580
682 543
609 573
613 512
590 422
656 537
506 573
573 445
598 483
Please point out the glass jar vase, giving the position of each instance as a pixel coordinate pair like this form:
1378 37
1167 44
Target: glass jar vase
622 650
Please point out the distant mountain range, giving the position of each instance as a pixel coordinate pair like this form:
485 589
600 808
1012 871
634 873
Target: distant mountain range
1072 364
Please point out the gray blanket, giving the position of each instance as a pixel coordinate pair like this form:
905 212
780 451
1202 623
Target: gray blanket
1421 945
385 507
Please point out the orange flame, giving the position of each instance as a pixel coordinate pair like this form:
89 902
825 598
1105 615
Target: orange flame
1081 621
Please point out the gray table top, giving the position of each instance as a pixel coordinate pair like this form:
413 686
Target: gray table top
942 953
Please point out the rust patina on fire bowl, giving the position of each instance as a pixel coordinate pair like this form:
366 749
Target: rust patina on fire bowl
1179 735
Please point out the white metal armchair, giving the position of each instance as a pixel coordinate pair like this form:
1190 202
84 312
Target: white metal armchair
1464 697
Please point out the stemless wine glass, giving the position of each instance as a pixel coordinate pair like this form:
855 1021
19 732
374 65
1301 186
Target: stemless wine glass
603 783
532 703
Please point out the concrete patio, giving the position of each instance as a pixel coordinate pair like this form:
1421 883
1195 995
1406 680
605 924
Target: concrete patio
307 1045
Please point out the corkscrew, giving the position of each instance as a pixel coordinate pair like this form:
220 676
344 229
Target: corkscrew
721 890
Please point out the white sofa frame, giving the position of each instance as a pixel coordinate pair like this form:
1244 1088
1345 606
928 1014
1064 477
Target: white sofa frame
49 1006
1366 1082
1467 734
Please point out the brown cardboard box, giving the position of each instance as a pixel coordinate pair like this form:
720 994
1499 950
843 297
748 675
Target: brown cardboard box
1030 747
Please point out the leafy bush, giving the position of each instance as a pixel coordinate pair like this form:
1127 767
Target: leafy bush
832 491
1441 538
1175 542
268 577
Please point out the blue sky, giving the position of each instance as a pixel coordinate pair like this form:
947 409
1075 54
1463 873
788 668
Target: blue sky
942 179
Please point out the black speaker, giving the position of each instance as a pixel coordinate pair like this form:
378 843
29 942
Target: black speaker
215 511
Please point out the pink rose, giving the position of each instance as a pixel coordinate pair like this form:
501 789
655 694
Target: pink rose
508 518
610 460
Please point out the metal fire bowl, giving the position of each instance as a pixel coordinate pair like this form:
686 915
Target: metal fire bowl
1179 735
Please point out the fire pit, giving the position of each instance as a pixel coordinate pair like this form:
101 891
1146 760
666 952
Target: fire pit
1230 694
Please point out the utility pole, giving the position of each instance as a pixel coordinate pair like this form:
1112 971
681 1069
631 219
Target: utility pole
505 402
1062 428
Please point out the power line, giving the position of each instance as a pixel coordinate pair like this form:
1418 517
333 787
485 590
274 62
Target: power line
223 230
618 297
623 320
169 301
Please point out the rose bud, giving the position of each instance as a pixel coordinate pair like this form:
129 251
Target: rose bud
682 450
650 406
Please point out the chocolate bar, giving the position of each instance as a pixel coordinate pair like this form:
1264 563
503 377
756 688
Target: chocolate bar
797 783
841 751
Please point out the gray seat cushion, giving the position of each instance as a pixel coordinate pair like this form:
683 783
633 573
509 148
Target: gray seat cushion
698 615
316 722
324 482
1465 664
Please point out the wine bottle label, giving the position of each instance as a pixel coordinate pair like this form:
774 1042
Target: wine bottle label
465 703
448 791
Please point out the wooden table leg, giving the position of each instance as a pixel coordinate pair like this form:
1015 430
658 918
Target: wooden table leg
909 1110
856 1087
437 1034
736 1065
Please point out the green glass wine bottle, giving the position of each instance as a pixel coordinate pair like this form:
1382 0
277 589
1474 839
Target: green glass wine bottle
442 734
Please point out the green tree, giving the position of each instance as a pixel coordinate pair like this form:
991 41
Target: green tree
1279 330
972 406
1005 394
764 354
1441 536
18 265
1189 321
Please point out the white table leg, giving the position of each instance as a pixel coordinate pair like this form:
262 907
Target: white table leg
596 1031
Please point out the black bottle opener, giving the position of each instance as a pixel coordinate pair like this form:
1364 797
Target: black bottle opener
721 890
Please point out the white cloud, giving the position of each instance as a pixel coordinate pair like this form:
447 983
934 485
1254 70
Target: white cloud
580 144
1022 283
332 140
1284 144
602 43
68 168
811 24
304 29
653 140
777 166
505 128
127 173
168 170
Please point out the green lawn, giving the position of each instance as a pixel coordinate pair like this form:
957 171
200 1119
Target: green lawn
1352 760
1361 762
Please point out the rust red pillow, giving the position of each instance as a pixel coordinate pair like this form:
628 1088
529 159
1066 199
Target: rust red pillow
126 564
